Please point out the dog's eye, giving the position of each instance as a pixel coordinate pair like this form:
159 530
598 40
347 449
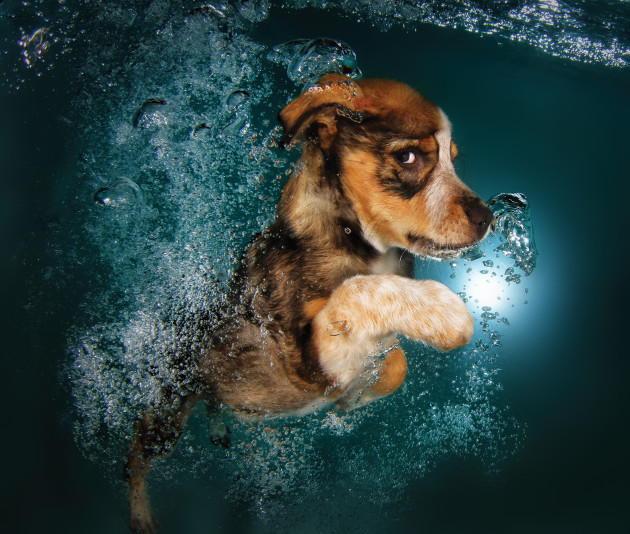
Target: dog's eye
406 157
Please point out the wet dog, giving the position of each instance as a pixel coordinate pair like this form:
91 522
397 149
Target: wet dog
321 294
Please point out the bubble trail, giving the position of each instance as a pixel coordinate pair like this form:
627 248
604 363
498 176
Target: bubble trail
513 222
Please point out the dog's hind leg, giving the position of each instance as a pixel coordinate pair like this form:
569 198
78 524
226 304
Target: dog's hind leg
367 309
382 378
157 433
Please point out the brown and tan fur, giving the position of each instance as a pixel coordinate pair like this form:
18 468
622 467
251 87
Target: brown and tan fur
323 291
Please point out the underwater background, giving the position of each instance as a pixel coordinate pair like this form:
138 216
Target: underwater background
138 155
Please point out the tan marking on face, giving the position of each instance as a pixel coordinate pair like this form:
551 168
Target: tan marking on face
374 208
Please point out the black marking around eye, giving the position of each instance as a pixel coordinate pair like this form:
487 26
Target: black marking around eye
396 183
402 189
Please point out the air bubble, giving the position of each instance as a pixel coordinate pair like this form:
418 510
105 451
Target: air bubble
201 131
35 45
237 103
473 253
308 60
150 114
236 99
123 193
253 10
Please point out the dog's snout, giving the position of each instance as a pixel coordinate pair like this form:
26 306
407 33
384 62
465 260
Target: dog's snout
478 214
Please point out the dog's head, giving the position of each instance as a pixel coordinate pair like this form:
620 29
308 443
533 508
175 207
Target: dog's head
390 150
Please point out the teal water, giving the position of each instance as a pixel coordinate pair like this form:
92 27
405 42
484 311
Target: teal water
112 208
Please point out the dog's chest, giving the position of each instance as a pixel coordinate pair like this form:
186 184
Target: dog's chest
394 261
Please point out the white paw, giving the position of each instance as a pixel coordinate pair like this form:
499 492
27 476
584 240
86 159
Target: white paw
445 322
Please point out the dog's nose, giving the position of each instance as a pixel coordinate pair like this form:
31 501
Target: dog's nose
478 214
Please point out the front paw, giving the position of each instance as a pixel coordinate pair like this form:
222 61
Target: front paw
446 322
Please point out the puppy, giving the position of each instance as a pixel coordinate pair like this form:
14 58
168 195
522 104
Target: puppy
319 296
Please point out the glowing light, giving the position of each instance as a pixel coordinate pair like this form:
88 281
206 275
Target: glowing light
495 287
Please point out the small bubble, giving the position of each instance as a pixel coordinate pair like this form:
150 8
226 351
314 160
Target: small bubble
236 99
150 114
121 194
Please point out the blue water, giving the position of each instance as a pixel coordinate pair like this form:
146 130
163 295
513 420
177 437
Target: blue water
138 150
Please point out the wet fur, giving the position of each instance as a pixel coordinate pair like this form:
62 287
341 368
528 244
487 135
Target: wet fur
327 286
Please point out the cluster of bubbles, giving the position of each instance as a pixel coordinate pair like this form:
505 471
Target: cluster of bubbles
587 32
35 46
177 168
514 226
175 173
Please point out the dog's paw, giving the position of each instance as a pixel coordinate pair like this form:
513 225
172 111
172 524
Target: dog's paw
445 322
219 433
141 519
141 524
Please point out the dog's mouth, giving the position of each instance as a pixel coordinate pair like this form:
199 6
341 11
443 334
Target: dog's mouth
431 249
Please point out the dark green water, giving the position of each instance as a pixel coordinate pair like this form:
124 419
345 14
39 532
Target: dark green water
545 452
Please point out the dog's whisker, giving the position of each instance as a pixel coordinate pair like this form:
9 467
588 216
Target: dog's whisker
401 256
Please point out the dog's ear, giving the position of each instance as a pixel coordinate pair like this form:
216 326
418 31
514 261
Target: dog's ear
320 106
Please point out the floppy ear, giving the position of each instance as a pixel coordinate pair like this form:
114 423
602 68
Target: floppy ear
320 105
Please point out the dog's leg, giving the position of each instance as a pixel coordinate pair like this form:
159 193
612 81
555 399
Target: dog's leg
380 379
391 373
366 309
157 433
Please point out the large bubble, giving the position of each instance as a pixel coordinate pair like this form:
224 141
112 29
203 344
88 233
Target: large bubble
307 60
